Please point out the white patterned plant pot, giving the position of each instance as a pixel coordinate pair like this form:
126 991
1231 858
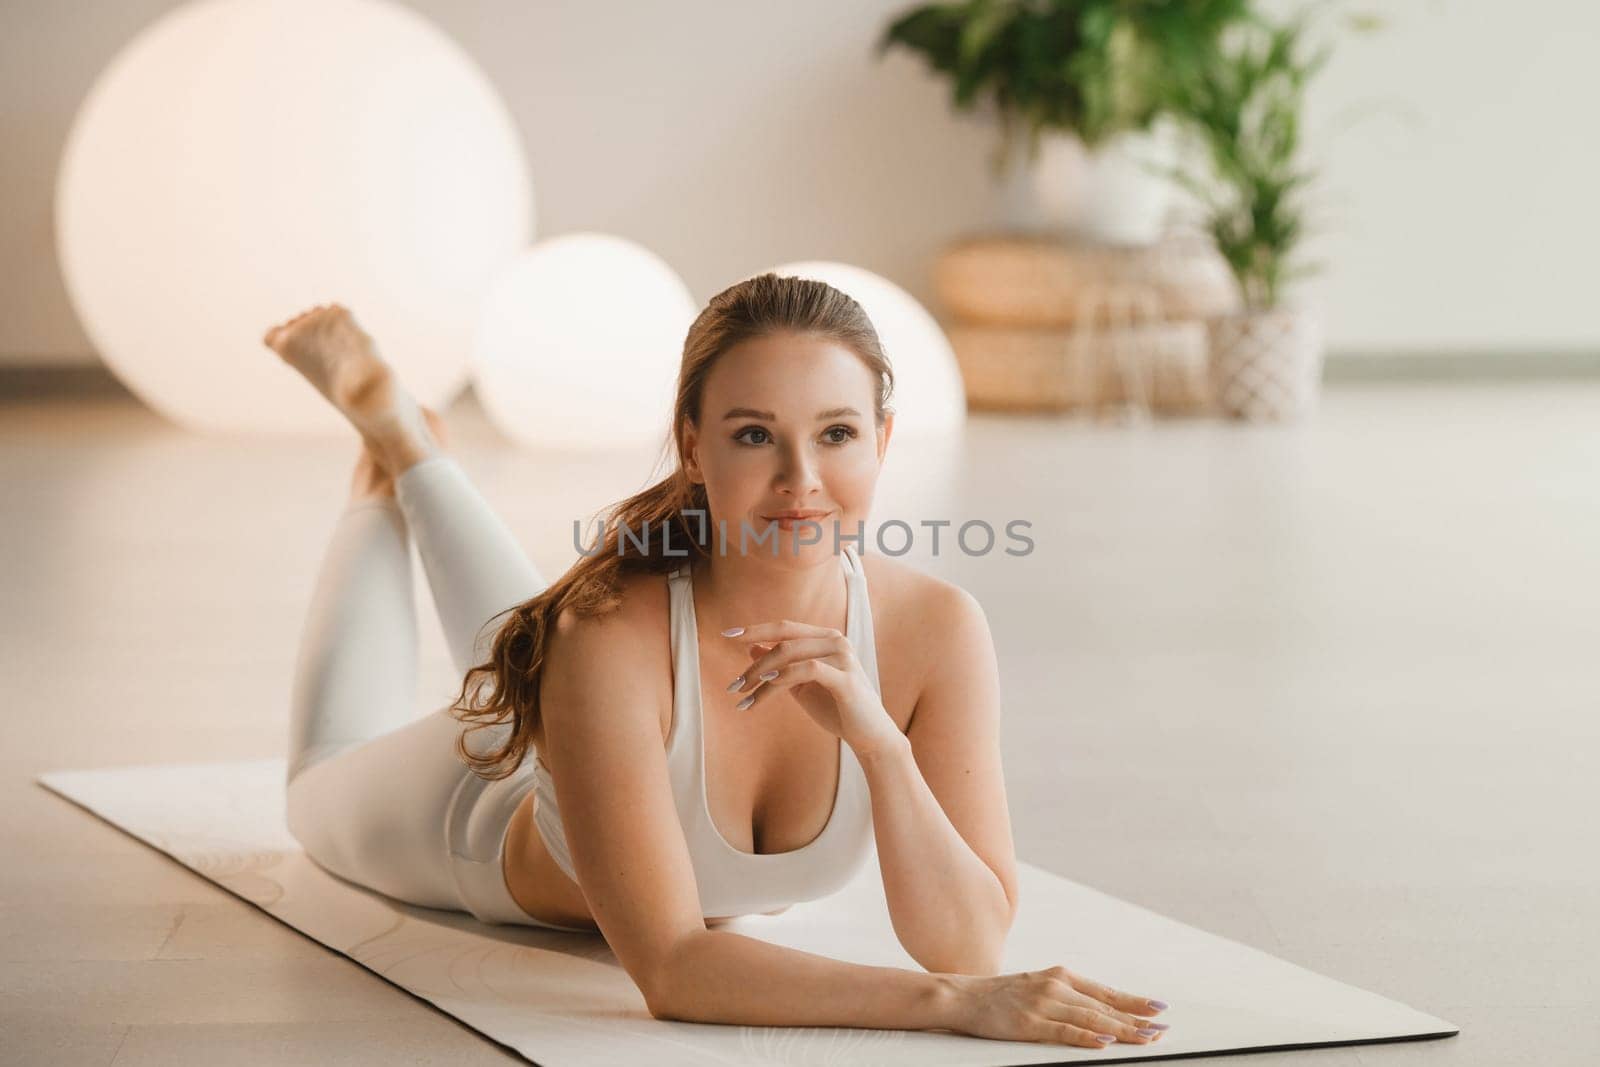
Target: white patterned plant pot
1267 365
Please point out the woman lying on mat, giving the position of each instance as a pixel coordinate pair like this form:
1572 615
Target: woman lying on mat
656 806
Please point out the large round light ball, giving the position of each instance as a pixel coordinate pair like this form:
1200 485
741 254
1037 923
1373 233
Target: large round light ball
242 160
928 394
579 346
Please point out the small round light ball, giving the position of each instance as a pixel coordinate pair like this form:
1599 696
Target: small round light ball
579 344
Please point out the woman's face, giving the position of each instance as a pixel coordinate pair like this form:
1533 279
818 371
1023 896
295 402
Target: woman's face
787 425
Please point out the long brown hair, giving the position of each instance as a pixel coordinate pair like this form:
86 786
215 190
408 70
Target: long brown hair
505 687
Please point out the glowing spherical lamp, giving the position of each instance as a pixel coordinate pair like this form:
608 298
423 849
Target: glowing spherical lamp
242 160
579 344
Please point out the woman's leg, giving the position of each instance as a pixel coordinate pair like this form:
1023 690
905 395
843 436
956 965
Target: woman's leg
476 569
374 794
355 674
369 783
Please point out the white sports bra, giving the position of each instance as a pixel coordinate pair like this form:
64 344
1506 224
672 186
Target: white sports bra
730 881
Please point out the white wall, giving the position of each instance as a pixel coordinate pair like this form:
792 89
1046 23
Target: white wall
729 136
1462 213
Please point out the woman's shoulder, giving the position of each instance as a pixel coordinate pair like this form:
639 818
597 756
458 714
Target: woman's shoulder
903 589
917 617
637 594
919 622
630 638
638 609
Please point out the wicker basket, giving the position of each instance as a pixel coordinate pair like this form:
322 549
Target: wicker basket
1159 366
1035 281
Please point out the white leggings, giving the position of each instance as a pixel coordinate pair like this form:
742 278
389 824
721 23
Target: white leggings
375 794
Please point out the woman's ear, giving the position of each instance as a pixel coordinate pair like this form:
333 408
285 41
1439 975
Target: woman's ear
691 458
885 433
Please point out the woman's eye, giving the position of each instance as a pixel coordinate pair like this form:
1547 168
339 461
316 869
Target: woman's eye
831 434
748 429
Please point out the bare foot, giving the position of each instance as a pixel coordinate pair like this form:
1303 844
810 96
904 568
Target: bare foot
371 481
337 356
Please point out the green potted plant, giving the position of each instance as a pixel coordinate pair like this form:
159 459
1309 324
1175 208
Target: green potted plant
1242 109
1086 82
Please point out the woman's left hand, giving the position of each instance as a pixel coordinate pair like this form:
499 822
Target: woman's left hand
819 666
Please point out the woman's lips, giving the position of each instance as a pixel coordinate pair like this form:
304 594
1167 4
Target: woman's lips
788 523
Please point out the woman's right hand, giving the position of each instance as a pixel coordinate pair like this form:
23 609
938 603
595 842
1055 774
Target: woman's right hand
1055 1006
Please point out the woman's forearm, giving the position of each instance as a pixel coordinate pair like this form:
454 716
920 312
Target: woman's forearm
948 907
723 977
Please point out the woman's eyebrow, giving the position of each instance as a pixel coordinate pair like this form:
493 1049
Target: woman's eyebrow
752 413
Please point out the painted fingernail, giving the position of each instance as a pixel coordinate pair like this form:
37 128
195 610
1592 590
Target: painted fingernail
1158 1005
735 632
746 702
769 676
1104 1039
738 683
1145 1031
1159 1026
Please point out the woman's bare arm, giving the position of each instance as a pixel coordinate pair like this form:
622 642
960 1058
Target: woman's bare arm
724 977
949 909
603 745
939 805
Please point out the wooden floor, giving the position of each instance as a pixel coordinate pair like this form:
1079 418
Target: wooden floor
1331 692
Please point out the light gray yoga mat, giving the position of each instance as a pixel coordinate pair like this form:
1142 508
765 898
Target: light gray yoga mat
560 998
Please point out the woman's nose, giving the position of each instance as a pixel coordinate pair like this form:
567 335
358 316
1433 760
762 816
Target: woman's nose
798 475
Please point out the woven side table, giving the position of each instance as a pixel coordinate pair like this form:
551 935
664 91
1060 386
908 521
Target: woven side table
1039 323
1158 366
